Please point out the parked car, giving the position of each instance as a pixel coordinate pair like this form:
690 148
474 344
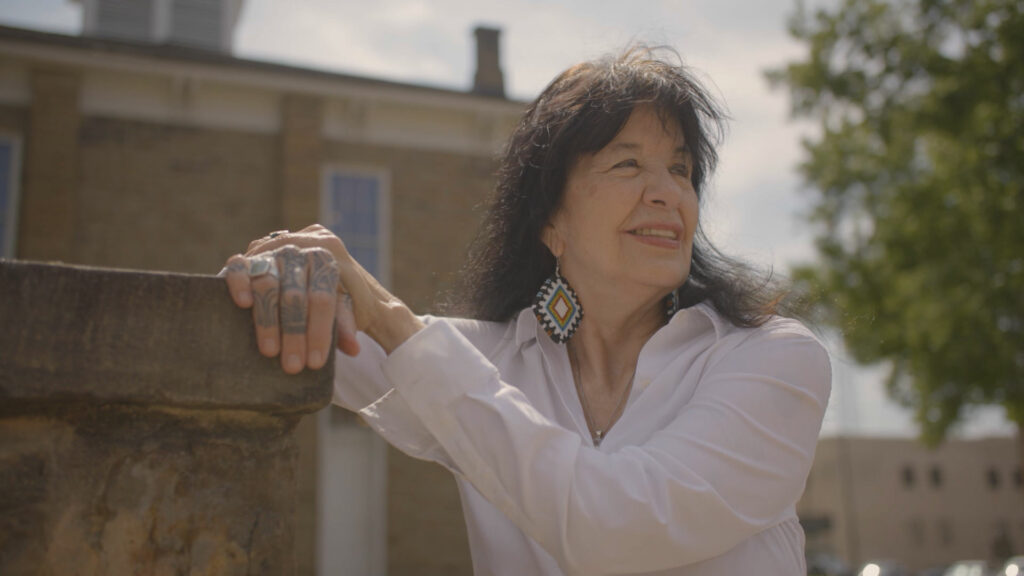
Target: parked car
968 568
939 570
823 564
883 568
1013 567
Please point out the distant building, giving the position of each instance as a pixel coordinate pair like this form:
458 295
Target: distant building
882 498
145 144
208 24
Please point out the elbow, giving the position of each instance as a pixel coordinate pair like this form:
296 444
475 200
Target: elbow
647 531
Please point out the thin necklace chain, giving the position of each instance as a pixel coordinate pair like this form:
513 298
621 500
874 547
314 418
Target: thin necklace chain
597 434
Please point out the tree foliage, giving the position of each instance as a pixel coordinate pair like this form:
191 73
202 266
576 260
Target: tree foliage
917 176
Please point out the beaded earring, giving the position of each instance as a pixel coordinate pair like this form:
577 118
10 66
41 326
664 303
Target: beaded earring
671 304
557 307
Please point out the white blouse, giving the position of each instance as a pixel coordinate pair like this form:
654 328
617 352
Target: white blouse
699 476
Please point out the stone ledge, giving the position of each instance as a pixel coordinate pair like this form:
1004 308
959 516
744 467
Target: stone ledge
78 334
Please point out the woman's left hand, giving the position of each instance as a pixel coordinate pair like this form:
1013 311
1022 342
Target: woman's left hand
300 285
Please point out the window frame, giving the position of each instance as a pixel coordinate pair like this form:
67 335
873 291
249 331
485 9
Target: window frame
936 477
12 217
339 427
383 177
908 475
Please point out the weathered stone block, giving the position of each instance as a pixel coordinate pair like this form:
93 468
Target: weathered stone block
140 431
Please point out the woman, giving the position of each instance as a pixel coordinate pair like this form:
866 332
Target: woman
593 429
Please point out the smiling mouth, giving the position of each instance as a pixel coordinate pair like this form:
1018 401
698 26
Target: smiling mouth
656 233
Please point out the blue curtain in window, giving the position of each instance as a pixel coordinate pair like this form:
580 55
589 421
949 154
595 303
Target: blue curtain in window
352 213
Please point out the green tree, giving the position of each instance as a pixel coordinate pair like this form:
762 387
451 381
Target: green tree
916 176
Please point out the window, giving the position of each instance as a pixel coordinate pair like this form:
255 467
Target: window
908 476
915 529
936 477
355 205
993 478
10 169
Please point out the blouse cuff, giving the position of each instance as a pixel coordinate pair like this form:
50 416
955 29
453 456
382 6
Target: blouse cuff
432 370
433 367
391 417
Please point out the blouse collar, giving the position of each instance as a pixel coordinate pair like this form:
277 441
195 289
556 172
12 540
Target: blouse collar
694 318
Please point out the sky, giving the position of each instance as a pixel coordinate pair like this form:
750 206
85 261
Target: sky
756 203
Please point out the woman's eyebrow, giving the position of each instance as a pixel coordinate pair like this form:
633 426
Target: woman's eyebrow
682 150
628 146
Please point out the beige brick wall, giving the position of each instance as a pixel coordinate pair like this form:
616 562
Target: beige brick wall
14 119
436 203
50 165
426 531
161 197
300 161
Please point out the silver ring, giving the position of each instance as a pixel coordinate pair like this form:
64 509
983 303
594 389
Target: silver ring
263 266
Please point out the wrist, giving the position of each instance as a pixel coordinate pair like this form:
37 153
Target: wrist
396 324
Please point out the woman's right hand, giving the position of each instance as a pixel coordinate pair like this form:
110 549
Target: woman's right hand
290 281
300 286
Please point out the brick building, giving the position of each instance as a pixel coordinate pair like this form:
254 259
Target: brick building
145 144
884 498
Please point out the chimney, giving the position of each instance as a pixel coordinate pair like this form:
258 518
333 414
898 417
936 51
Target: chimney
488 80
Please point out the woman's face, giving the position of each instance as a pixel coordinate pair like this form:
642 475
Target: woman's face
629 212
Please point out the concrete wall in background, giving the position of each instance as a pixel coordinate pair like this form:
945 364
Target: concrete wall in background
886 498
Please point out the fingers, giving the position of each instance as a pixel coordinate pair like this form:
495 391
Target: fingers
293 308
323 286
267 243
309 237
265 294
345 322
238 281
296 308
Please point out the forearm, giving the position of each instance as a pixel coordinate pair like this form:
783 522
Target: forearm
394 325
361 386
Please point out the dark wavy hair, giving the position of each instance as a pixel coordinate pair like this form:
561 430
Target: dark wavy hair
579 113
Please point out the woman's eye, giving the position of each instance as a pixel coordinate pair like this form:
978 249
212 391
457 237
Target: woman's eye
630 163
682 170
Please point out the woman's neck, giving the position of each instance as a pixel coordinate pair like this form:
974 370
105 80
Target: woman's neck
611 335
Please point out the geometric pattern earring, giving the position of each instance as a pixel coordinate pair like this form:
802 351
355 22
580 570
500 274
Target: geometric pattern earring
557 307
671 304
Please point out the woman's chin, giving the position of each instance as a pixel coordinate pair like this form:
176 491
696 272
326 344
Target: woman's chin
665 283
671 278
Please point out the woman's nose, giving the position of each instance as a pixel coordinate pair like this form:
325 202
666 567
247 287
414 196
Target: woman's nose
663 188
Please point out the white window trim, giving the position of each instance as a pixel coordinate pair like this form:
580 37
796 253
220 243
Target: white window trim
341 433
14 183
383 176
353 457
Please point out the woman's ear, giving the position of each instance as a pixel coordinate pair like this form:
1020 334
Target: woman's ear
552 239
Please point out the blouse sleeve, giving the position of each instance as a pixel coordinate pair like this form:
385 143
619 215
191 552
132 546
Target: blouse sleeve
731 464
361 386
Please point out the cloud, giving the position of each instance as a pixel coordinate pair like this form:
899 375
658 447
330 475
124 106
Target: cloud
59 16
